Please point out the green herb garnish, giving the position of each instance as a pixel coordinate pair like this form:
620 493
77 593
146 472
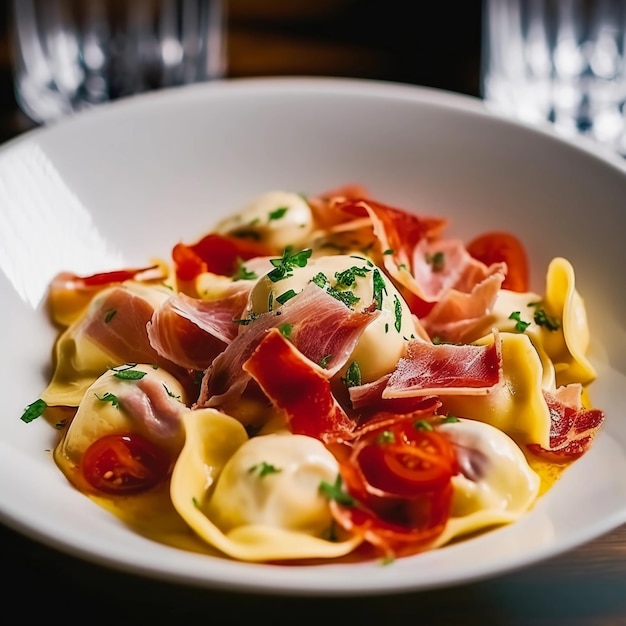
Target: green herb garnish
242 273
436 261
550 322
353 375
347 278
264 469
126 372
379 289
397 310
283 267
34 410
285 330
336 493
286 296
347 297
109 397
520 324
276 214
386 436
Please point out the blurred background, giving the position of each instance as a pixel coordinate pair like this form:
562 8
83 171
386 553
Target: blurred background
392 40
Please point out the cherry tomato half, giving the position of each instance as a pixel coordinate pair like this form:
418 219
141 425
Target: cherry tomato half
495 247
124 464
406 460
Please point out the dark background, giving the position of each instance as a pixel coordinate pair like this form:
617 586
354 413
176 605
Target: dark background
430 43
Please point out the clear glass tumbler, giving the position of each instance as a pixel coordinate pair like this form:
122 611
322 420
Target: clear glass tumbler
69 55
558 61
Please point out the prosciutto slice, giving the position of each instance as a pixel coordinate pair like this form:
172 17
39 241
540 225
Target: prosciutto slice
367 400
192 332
152 407
117 322
458 314
320 326
572 426
430 369
299 387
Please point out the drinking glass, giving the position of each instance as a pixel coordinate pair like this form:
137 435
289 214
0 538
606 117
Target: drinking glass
560 62
70 55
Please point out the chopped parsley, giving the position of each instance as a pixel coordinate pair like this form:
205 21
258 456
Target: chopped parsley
34 410
276 214
242 272
379 289
353 375
336 493
126 372
323 362
541 318
285 330
386 436
436 261
388 251
169 393
397 310
110 314
286 296
423 425
347 278
109 397
283 267
264 469
244 321
320 280
450 419
347 297
520 324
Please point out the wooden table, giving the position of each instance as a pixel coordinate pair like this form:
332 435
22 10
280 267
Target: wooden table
586 586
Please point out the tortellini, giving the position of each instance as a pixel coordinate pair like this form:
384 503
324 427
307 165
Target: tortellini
255 499
151 406
384 340
113 323
556 324
495 485
277 218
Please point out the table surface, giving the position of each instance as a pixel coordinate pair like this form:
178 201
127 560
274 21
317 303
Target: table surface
582 587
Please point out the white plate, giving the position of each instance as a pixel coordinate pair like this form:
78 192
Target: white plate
121 184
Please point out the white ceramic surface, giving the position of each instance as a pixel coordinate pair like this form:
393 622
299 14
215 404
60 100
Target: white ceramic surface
121 184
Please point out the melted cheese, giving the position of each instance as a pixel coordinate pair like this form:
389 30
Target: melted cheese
496 485
382 343
217 488
277 218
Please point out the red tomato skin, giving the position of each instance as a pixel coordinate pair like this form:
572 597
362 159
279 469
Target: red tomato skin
501 246
393 467
124 464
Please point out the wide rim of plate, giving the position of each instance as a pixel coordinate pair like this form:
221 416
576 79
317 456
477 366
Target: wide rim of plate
328 580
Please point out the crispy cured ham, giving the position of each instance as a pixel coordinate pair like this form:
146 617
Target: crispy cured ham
430 369
320 326
572 426
117 323
192 332
298 387
457 316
